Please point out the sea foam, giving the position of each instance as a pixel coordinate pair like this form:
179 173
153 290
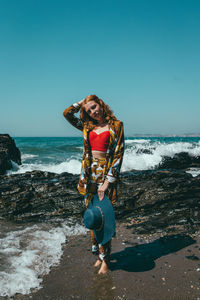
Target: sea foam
140 154
28 156
29 254
148 156
138 141
72 166
194 171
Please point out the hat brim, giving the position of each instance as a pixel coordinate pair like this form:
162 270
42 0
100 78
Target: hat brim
108 229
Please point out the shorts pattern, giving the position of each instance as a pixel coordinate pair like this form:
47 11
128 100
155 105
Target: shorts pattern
98 168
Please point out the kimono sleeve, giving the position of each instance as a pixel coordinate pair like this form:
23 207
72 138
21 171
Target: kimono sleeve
71 118
114 170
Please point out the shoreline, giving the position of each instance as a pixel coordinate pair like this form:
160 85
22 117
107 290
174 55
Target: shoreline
152 266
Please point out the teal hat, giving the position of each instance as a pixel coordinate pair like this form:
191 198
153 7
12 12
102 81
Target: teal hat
100 217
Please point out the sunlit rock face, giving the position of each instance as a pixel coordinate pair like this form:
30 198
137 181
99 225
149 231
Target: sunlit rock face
38 195
8 152
148 201
157 200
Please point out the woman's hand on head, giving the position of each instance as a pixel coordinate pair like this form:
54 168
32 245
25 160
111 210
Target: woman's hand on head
80 102
101 191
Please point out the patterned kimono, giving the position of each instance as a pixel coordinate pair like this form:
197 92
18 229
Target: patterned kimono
114 154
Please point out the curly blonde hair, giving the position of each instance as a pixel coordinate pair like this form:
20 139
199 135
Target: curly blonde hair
90 122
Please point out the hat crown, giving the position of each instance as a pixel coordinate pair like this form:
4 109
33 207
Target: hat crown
93 218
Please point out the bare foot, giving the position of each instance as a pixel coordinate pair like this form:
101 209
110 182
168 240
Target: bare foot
97 263
104 268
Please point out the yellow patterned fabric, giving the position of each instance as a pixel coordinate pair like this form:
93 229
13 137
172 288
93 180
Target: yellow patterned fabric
114 154
98 168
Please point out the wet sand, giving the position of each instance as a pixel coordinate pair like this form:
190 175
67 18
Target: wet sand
145 267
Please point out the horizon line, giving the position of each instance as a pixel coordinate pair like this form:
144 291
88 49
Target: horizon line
127 136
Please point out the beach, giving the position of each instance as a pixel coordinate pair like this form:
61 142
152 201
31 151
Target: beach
140 267
45 249
115 80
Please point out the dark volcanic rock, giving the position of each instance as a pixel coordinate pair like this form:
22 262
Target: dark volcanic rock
148 200
160 199
180 161
38 195
8 152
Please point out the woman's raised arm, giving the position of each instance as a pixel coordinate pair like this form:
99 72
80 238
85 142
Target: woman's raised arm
71 118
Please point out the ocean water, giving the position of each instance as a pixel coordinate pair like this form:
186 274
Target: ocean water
28 251
63 154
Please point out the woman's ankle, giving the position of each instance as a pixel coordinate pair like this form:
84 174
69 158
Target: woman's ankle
98 263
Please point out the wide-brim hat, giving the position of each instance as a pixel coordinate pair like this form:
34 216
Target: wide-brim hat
100 217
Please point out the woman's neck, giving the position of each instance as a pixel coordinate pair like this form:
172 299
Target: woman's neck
102 123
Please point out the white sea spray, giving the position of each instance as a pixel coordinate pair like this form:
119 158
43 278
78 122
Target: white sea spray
140 154
29 254
72 166
144 157
28 156
194 171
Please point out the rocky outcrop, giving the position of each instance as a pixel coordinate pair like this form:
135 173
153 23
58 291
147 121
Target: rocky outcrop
162 199
180 161
8 152
148 200
38 195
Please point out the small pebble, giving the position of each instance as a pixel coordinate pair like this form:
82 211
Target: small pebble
163 278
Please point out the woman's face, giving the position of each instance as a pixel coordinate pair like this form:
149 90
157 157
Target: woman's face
94 110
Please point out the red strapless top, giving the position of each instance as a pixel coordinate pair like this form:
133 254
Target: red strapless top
99 142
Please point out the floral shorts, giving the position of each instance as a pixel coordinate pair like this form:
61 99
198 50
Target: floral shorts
98 167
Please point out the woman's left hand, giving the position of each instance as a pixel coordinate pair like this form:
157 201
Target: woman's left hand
102 189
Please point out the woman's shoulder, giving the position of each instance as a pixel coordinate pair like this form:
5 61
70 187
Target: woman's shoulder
118 123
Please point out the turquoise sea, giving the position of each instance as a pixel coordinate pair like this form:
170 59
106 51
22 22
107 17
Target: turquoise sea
63 154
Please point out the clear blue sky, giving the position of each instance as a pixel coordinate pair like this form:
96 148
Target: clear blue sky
142 57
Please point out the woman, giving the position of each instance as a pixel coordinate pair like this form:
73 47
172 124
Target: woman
103 138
